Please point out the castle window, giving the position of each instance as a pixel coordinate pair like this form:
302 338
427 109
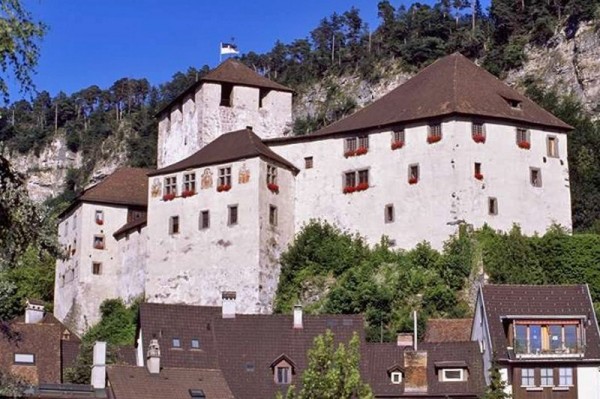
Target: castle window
96 268
492 206
99 241
174 225
195 343
523 138
99 217
176 343
261 97
398 136
283 375
478 132
225 176
350 145
363 142
204 220
272 215
232 215
396 377
350 179
389 213
413 173
547 377
171 185
527 377
363 177
535 177
271 174
24 358
434 133
477 171
552 144
189 183
565 376
226 91
308 162
452 375
513 103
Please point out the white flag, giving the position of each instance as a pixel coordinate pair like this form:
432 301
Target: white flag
229 48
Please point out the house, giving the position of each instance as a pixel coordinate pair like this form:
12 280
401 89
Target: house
545 339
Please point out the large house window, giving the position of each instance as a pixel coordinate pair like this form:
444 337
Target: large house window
363 142
350 145
225 176
527 377
552 144
565 376
189 183
171 185
356 181
283 374
553 338
547 377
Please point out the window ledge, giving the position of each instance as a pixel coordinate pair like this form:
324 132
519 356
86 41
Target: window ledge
534 388
566 388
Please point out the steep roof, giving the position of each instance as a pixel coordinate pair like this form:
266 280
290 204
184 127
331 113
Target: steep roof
448 330
131 382
229 147
451 85
230 71
134 224
378 358
538 300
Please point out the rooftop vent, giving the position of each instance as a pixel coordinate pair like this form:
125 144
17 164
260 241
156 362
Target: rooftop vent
197 393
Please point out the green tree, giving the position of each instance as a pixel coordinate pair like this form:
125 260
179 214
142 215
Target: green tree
497 386
332 373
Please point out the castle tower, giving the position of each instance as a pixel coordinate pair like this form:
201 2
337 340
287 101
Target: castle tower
228 98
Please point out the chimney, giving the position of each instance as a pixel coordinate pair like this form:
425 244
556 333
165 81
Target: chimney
415 370
249 128
99 366
404 339
34 311
298 317
228 304
153 357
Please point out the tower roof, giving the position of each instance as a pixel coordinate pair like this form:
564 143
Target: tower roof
229 147
230 71
452 85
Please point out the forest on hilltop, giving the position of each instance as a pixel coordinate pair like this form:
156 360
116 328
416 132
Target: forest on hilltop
340 45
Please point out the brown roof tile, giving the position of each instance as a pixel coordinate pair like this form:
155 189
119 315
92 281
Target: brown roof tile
229 147
131 382
126 186
448 330
130 226
539 300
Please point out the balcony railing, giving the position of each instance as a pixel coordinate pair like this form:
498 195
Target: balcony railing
573 350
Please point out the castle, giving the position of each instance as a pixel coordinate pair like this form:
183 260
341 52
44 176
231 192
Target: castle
453 145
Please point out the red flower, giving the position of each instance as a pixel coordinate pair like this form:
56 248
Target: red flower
274 188
524 145
99 222
169 197
362 151
479 138
187 193
223 187
397 144
350 153
413 180
362 186
349 189
98 246
433 139
478 176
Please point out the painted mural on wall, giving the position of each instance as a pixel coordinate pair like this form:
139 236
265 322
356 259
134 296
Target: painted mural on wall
155 190
244 175
206 181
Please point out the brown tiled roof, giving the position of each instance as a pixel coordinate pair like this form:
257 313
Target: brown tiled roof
230 71
539 300
131 382
378 359
130 226
229 147
448 330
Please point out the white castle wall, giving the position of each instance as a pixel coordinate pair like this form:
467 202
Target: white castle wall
199 119
79 292
447 192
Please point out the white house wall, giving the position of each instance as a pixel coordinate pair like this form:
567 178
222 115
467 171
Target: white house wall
588 382
447 193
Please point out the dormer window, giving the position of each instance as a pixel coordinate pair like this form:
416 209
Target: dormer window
396 377
283 369
543 338
513 103
449 371
452 375
283 375
176 343
226 91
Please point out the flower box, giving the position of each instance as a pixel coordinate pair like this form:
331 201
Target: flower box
362 151
397 144
99 222
413 180
223 187
524 145
350 153
169 197
349 189
433 139
362 186
187 193
274 188
478 176
479 138
98 246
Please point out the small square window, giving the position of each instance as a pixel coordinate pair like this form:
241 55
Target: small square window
272 215
99 217
523 137
99 241
283 375
396 377
452 374
24 358
389 213
492 206
232 215
176 343
308 162
565 376
174 225
250 367
477 129
552 144
195 343
547 377
171 185
535 177
527 377
96 268
204 220
225 176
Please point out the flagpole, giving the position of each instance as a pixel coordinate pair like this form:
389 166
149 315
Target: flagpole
220 52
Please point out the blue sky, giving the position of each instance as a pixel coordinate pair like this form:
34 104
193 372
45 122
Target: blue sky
100 41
